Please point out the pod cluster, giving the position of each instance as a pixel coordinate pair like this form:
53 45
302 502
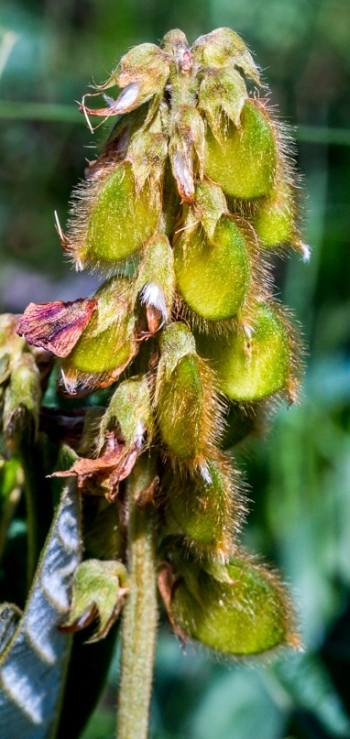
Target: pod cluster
192 192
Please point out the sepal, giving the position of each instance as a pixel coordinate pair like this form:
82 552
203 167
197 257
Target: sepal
99 589
224 47
222 95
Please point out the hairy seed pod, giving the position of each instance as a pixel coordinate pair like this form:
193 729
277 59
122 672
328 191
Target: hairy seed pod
244 162
242 609
206 506
274 221
111 221
186 409
187 406
213 276
254 362
108 343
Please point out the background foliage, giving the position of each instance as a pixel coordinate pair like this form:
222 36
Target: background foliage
300 507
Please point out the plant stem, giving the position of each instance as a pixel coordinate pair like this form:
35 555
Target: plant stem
140 611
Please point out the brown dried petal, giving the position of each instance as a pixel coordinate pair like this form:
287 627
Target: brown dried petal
114 465
56 326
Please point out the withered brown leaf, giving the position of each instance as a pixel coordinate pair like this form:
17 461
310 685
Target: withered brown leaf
106 471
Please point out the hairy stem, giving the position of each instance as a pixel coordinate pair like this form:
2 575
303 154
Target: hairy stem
140 611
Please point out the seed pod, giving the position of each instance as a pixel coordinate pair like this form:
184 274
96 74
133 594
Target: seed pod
244 162
213 276
187 407
112 221
274 220
240 609
255 362
205 506
108 343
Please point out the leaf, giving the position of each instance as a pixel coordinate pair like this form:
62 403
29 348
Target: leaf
309 686
33 663
9 617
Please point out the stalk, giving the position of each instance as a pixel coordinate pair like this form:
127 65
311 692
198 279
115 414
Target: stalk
140 612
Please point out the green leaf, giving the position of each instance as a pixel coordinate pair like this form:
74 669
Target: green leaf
33 662
309 686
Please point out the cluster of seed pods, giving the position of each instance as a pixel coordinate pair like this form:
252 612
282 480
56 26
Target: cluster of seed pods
192 193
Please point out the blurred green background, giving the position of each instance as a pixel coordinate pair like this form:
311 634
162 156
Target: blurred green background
300 475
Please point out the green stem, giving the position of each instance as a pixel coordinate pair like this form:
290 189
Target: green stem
140 611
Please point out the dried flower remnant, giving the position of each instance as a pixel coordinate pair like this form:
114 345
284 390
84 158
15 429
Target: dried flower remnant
194 187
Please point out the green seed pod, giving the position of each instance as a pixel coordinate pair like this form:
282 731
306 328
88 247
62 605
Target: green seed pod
244 161
274 220
205 507
108 343
187 407
213 276
240 609
254 362
111 220
130 407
